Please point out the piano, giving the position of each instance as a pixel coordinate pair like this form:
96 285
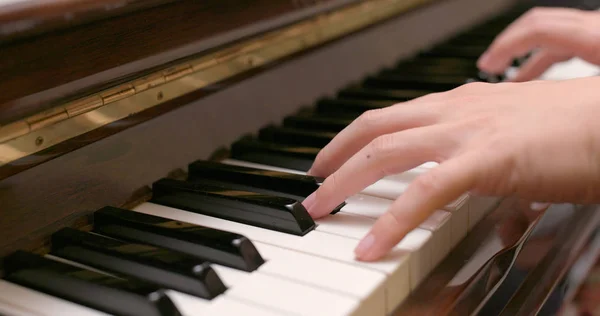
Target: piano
153 158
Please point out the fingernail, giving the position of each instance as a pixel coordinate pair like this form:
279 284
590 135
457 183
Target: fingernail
364 247
539 206
309 202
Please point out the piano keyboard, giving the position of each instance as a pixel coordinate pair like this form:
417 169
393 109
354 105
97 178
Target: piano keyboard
234 239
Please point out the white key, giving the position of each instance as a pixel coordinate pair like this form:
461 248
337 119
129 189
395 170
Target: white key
439 223
225 306
460 223
41 303
418 242
222 305
395 265
374 207
293 298
9 309
273 293
367 285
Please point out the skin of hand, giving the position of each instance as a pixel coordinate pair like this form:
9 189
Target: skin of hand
555 34
537 140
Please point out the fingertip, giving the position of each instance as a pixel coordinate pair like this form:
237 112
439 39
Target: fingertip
364 249
309 202
484 61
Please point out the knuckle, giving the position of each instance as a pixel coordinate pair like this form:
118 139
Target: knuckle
369 119
328 187
470 88
382 146
428 182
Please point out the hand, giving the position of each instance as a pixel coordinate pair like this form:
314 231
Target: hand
537 140
556 34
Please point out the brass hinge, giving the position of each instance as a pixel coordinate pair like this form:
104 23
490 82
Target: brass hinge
75 118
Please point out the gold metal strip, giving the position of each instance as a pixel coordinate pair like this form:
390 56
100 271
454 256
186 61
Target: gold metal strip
62 123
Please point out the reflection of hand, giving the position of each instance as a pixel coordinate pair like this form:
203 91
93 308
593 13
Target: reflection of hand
558 34
537 140
515 225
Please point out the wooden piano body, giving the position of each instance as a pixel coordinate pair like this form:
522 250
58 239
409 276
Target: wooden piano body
102 98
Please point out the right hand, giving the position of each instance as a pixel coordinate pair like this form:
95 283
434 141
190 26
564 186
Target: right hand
536 140
557 34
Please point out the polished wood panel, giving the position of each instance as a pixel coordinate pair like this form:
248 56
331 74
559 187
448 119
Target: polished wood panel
21 19
33 65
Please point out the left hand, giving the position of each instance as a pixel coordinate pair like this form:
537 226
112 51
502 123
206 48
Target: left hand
557 34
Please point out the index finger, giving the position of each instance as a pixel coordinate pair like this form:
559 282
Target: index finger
386 155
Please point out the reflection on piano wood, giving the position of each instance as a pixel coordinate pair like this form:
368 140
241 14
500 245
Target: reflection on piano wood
222 232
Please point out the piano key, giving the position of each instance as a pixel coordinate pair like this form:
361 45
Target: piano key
271 212
393 81
293 136
418 241
316 243
373 207
471 52
295 298
365 93
318 123
344 278
213 245
286 294
39 303
151 264
332 281
9 309
90 288
350 107
225 306
387 189
296 186
292 157
439 223
433 65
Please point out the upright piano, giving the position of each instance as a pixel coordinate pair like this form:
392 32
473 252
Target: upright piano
153 158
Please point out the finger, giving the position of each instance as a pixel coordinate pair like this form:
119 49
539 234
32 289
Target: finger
387 154
555 33
427 193
537 65
369 126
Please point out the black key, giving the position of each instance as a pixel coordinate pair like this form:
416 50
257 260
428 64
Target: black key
299 186
292 136
163 267
459 51
491 78
271 212
469 40
433 65
88 288
217 246
394 81
363 93
317 123
276 155
277 183
349 107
